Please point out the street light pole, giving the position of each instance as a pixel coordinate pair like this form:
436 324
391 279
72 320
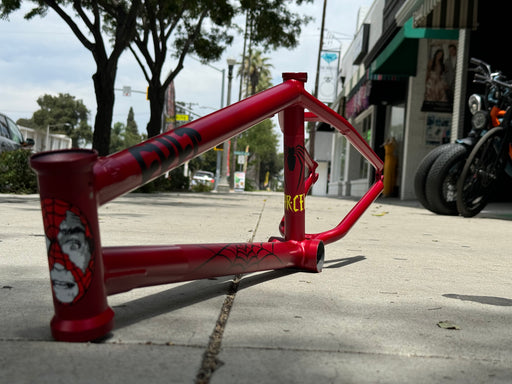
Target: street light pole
219 158
224 183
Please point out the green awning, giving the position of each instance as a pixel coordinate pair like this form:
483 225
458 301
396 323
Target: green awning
400 57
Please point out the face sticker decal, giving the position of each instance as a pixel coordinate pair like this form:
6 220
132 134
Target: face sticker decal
70 250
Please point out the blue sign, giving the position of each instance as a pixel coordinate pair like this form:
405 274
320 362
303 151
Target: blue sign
329 56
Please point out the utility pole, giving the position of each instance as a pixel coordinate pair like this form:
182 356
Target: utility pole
312 125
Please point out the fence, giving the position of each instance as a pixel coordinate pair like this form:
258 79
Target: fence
42 142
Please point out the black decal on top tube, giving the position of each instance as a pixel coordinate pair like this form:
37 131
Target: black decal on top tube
149 157
153 159
195 139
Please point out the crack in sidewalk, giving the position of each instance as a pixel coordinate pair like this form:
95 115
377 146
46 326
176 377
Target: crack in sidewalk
210 362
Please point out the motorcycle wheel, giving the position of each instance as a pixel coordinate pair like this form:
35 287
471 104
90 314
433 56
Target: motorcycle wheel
420 177
441 184
483 167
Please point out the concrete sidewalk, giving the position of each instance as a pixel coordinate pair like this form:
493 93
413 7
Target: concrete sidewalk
371 316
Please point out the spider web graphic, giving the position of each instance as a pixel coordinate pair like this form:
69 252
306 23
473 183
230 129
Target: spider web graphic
242 256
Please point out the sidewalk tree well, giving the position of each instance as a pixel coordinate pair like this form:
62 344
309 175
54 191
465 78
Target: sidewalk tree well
86 19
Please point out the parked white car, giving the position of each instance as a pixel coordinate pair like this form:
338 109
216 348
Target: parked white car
204 178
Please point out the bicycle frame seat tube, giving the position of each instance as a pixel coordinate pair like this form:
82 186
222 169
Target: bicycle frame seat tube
292 123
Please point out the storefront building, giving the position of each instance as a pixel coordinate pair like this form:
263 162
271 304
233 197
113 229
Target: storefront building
404 87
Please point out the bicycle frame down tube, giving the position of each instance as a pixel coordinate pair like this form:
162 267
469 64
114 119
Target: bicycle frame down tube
74 183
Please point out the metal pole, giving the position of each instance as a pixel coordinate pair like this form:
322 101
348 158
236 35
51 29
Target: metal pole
47 145
219 158
224 183
312 125
47 138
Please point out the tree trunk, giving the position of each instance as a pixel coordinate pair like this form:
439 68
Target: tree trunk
157 100
104 88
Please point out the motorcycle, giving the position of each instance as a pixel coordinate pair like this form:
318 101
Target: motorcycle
489 160
435 182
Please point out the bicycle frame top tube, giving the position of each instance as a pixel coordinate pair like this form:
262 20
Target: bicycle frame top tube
126 170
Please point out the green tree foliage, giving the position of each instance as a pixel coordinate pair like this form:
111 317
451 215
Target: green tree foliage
175 181
124 136
132 136
204 28
262 141
117 137
206 162
63 114
255 69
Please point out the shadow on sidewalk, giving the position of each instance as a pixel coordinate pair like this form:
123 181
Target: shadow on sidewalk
194 292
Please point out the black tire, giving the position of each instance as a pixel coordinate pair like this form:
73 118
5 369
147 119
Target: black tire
420 177
484 167
441 184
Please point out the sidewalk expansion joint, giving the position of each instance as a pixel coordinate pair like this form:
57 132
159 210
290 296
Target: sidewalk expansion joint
210 362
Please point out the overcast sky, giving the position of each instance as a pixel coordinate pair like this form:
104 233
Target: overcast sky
42 56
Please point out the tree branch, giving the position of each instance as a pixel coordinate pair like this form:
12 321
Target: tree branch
74 27
185 50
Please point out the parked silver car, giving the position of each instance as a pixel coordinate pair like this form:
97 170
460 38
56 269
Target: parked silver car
10 136
204 178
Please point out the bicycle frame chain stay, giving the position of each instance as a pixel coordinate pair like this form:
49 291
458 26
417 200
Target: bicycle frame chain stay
74 183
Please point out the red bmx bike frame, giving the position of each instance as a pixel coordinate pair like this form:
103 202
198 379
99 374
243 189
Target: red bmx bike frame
74 183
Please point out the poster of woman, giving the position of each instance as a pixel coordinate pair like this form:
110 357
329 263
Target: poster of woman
440 77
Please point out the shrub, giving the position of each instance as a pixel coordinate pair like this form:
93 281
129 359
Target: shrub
16 176
249 186
201 187
176 182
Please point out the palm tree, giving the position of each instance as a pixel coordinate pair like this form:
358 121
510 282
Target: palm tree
255 70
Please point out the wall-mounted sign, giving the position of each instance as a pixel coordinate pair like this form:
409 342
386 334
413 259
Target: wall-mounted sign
360 44
440 79
328 76
438 130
